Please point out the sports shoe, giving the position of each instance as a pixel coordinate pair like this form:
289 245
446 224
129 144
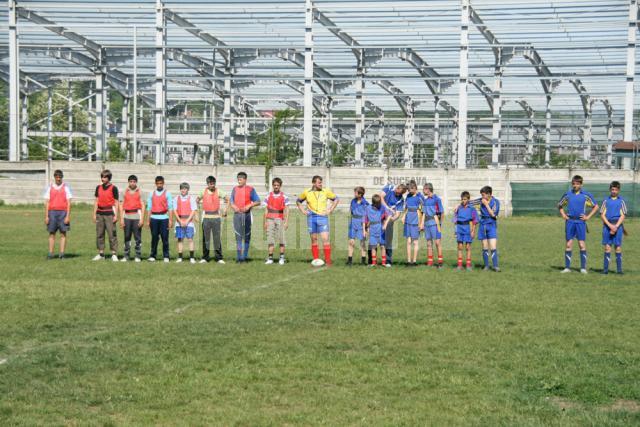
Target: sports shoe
49 257
124 259
349 263
469 269
620 273
151 259
497 269
221 261
566 270
281 261
604 272
269 262
166 260
373 265
203 261
485 268
459 268
114 258
178 260
387 265
61 256
583 270
192 260
439 266
97 258
138 259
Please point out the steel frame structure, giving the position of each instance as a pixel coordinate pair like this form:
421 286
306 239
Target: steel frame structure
446 76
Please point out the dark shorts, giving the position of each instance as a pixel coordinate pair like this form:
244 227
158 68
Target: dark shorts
56 222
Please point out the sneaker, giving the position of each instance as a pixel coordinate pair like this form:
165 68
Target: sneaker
387 265
583 270
459 268
151 259
50 257
439 267
221 261
192 260
485 268
281 261
203 261
114 258
61 256
166 260
363 262
566 270
124 259
178 260
604 272
97 258
349 263
138 259
269 261
372 265
469 269
620 273
497 269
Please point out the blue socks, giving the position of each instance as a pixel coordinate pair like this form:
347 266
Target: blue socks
583 260
619 262
607 259
485 257
567 259
494 258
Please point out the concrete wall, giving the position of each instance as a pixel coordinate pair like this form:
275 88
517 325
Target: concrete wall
24 182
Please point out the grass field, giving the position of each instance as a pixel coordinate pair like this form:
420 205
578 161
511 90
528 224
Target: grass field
101 343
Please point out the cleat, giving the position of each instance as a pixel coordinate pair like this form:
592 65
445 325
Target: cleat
349 263
166 260
124 259
151 259
221 261
49 257
566 270
192 260
179 260
61 256
138 259
620 273
439 266
203 261
583 271
604 272
269 262
387 265
485 268
497 269
281 261
97 258
114 258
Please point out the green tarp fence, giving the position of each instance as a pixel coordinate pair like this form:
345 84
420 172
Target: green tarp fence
542 197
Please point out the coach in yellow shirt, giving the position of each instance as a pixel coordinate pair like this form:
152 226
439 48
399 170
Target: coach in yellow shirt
320 202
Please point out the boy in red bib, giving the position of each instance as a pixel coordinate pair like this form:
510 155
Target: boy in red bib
276 217
211 199
132 218
57 212
159 206
105 215
185 209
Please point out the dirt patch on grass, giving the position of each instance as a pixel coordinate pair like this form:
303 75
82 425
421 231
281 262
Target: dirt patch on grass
623 405
563 403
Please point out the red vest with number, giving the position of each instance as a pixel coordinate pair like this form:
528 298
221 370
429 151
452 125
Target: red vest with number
184 207
106 201
58 198
275 205
210 201
242 196
159 204
132 201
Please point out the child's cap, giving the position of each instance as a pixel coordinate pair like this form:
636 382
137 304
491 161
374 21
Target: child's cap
184 185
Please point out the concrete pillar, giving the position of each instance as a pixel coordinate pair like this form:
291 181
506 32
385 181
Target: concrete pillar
360 114
409 134
547 132
69 122
381 140
436 132
124 143
610 141
461 160
631 71
530 136
586 133
25 127
307 145
185 124
497 115
226 114
50 124
14 83
100 117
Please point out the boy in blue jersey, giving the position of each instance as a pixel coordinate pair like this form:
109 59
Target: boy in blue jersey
488 229
356 225
376 219
613 213
393 199
413 223
465 219
573 207
433 214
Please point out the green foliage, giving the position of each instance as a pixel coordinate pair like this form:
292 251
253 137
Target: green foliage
115 153
276 146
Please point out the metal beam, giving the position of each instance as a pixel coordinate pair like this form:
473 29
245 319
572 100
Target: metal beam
307 146
14 84
631 70
461 148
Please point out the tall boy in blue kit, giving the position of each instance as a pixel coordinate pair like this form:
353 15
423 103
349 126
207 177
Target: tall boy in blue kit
393 199
465 219
434 214
356 228
376 219
613 212
413 223
573 207
488 229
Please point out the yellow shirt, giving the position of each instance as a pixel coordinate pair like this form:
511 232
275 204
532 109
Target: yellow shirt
317 200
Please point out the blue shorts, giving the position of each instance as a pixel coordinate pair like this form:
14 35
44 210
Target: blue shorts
375 240
185 232
575 229
355 230
56 222
411 231
488 231
431 232
463 233
612 239
317 223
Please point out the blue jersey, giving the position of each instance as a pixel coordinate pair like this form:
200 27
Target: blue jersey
465 215
432 208
613 209
357 210
485 218
576 204
413 205
394 202
375 218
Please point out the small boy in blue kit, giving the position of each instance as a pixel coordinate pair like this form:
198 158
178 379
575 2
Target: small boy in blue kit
573 207
488 230
465 219
613 213
356 228
185 210
434 213
376 219
413 223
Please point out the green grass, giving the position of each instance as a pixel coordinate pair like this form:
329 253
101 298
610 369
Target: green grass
121 344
